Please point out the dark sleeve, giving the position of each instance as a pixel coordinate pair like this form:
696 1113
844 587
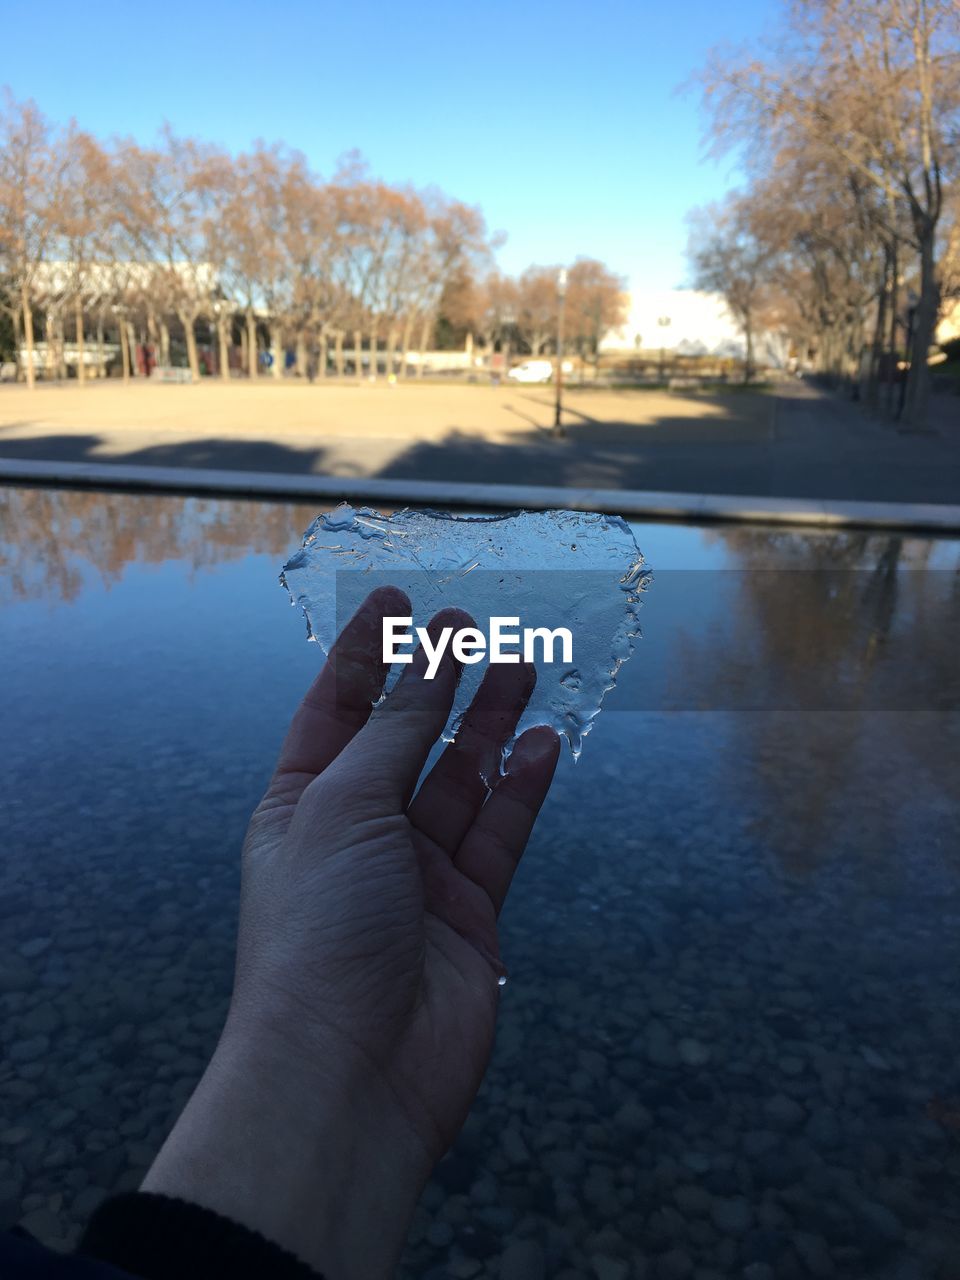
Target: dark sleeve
159 1238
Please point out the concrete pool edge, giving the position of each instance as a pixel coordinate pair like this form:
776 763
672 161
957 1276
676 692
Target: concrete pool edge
632 503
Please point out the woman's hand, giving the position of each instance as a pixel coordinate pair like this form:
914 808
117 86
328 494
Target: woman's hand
367 973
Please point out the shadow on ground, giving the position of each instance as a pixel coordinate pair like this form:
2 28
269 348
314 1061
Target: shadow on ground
212 453
811 447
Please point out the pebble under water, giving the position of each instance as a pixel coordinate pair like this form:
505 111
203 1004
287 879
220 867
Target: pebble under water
728 1046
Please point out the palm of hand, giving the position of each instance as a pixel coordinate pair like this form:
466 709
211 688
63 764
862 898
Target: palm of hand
375 914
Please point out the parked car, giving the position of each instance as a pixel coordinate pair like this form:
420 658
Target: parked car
532 371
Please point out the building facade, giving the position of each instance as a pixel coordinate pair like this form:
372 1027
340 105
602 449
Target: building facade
689 322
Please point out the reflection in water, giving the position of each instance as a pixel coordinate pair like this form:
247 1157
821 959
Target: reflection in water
728 1047
857 624
848 629
839 602
50 540
813 639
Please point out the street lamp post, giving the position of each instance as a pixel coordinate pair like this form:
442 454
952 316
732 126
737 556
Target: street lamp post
664 323
561 298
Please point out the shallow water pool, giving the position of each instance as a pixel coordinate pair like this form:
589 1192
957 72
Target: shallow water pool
728 1046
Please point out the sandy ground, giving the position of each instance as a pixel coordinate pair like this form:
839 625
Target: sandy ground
797 442
368 426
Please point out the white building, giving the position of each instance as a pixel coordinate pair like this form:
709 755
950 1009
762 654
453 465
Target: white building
687 322
57 280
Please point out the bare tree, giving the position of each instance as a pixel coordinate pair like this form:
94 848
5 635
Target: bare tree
878 81
154 239
728 259
184 172
30 172
214 192
460 308
834 254
460 242
537 307
314 253
401 276
596 303
253 220
360 210
148 192
80 217
495 310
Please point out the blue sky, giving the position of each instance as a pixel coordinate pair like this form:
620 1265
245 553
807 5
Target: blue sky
560 120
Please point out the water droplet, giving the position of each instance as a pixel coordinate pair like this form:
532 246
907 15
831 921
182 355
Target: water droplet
502 980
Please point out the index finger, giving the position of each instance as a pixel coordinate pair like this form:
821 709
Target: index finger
388 756
338 703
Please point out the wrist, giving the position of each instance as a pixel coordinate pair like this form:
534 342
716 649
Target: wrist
329 1171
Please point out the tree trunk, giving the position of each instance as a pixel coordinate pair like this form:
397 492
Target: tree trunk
78 333
852 351
374 355
189 331
924 324
101 354
28 334
132 344
894 304
124 350
405 347
50 335
16 319
424 342
872 389
165 342
322 364
301 365
358 354
251 344
56 364
826 352
224 346
748 363
339 355
276 350
391 352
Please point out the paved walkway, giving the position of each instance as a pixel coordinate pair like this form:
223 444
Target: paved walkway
797 443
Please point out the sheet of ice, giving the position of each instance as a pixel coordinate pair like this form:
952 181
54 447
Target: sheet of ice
574 569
